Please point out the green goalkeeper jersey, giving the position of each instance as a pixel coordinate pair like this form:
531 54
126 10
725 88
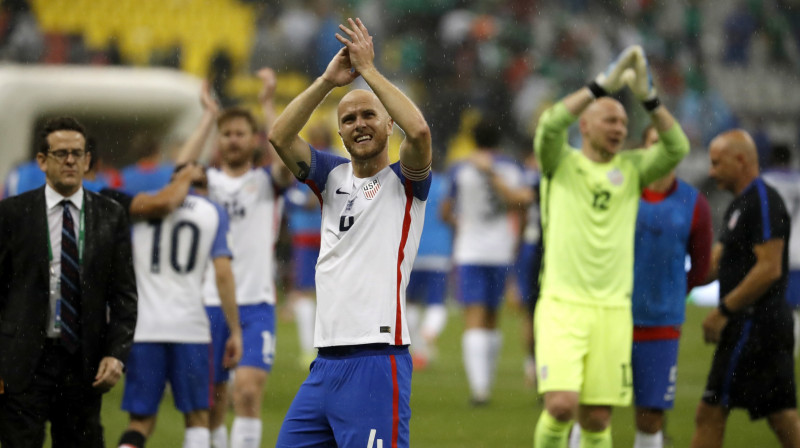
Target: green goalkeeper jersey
589 211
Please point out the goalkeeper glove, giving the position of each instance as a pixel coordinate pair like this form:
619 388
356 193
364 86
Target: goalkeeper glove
640 80
611 79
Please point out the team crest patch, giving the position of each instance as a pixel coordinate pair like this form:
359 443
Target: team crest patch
544 372
371 188
734 219
615 177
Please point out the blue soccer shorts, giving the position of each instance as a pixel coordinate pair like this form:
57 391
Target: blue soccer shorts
427 287
258 338
359 398
304 267
481 285
655 371
186 366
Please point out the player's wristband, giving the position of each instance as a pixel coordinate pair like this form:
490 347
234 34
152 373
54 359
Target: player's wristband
597 91
724 310
651 104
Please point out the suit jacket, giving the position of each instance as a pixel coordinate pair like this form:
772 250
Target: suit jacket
108 285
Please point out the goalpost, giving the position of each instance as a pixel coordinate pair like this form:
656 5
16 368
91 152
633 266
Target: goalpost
114 103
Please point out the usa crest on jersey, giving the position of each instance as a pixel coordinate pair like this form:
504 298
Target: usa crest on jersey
371 188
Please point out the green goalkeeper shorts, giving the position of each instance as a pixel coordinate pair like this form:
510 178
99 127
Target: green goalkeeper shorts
584 349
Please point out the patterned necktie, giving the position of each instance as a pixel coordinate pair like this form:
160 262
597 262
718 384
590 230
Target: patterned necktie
70 284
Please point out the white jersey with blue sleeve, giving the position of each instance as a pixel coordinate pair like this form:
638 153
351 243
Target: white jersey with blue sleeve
486 234
254 204
170 257
370 235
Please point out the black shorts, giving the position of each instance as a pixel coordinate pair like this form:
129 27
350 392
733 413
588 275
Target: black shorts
753 367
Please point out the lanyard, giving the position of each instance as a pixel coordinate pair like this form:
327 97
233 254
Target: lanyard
80 238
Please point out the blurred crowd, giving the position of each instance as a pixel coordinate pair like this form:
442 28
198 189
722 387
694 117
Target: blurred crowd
506 58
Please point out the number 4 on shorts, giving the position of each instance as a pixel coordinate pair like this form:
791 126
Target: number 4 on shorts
371 442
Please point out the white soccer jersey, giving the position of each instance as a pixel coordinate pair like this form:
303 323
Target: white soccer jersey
787 182
254 207
370 236
486 233
170 257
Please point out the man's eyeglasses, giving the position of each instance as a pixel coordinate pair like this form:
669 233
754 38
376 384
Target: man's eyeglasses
62 154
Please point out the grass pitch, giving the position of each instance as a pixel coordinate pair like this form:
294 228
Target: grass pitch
441 415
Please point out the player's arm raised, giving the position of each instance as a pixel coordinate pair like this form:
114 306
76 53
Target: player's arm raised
193 147
672 143
284 135
550 143
415 151
280 173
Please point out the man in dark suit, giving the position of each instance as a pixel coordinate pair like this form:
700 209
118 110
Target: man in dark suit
67 300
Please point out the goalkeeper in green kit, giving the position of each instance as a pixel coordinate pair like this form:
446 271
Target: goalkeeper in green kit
589 201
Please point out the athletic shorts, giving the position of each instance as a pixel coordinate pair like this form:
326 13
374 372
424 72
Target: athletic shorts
481 285
427 287
753 367
304 267
357 396
526 271
150 365
585 349
655 371
793 289
258 338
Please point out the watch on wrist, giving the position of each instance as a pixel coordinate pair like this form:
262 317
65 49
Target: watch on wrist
724 310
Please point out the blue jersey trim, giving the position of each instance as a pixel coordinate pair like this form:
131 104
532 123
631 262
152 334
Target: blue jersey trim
219 248
322 164
734 360
420 189
766 229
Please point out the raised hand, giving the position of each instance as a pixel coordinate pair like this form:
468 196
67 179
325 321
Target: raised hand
611 80
208 100
359 44
639 78
269 83
340 71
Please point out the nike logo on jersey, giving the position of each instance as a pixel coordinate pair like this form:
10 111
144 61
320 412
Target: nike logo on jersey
339 191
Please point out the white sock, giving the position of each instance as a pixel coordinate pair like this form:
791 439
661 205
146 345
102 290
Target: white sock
219 437
644 440
246 433
304 313
495 346
575 436
196 437
476 346
434 321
